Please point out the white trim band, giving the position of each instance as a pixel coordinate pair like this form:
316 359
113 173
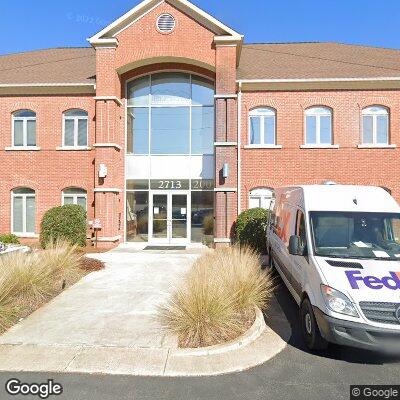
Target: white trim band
23 148
377 146
319 146
223 189
108 238
317 80
111 98
263 146
107 190
222 240
225 96
225 144
72 148
115 145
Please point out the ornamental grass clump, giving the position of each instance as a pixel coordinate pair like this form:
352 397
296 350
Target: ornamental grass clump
216 301
29 280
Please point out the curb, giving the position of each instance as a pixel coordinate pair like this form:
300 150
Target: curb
252 334
258 345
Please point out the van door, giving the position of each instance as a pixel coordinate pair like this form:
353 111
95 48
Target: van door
299 263
285 227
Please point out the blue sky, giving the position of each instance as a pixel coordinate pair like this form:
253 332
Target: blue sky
28 25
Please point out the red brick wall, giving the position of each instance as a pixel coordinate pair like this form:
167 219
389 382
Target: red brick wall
143 41
47 171
293 165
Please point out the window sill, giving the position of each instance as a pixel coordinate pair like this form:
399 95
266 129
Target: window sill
112 145
66 148
23 148
376 146
319 146
26 235
263 146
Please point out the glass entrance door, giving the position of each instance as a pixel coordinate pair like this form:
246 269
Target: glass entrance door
169 217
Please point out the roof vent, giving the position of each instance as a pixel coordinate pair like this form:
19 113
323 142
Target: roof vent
329 183
165 23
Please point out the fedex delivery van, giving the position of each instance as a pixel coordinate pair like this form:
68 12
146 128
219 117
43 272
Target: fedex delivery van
337 248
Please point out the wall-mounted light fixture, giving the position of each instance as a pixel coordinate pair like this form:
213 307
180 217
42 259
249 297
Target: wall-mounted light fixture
103 171
225 171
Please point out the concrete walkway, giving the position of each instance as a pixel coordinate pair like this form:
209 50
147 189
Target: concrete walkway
107 323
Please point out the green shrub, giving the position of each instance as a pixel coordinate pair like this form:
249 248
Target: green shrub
9 238
251 228
67 222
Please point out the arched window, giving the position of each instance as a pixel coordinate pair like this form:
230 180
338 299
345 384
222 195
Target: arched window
23 203
170 113
75 131
260 198
318 122
262 126
375 125
76 196
24 128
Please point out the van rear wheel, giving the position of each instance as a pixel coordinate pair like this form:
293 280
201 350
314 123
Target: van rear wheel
311 334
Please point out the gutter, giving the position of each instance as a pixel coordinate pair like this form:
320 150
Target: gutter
305 80
239 141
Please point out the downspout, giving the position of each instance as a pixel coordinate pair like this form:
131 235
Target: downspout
239 144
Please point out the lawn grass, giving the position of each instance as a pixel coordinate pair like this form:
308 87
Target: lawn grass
216 301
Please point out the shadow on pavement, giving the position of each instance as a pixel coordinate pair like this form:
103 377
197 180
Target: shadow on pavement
284 310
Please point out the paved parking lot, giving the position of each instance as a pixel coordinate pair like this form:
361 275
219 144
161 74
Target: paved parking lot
293 374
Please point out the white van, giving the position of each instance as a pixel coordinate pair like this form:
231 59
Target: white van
337 248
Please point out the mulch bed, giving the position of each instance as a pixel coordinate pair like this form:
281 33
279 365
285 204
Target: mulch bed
90 264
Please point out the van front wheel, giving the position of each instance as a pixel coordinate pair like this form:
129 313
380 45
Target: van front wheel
309 326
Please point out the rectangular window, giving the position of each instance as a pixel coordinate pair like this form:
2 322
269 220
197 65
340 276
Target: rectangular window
69 132
368 129
82 132
170 128
138 141
31 132
202 130
18 224
137 216
382 129
311 133
325 130
18 133
255 130
269 130
202 217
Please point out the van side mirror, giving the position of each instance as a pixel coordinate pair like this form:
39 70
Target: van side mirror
294 246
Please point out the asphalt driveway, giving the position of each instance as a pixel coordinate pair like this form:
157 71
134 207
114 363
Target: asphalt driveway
294 374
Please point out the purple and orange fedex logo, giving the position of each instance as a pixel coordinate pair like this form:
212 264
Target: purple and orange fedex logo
392 281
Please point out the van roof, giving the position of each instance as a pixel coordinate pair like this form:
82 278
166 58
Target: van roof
346 198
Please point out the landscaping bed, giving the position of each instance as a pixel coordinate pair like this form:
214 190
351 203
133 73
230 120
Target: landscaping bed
216 302
29 280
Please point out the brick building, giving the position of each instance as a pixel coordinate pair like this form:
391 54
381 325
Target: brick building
169 125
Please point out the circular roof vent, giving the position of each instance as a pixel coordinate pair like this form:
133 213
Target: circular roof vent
165 23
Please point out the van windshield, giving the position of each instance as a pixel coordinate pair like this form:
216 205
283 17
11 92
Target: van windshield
356 235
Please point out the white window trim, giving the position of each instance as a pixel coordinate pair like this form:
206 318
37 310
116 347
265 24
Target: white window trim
76 121
366 112
263 196
263 146
319 146
24 132
261 113
311 112
22 148
74 197
24 233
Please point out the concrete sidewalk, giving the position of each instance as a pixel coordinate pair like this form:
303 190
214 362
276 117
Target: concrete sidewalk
107 323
